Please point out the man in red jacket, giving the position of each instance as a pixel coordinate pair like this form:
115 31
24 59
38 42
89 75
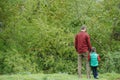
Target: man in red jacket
83 46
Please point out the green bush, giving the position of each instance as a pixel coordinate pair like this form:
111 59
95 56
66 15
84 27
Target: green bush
38 35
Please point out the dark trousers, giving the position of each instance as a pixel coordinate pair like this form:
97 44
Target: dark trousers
95 72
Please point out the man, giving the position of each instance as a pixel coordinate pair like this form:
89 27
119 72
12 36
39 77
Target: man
83 46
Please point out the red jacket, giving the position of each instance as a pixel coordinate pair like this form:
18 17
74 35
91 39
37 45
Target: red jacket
82 42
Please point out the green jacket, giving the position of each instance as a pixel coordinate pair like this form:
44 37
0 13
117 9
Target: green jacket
93 59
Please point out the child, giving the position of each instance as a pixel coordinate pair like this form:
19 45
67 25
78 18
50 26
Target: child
94 58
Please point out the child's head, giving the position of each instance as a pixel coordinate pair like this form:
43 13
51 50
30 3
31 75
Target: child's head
93 49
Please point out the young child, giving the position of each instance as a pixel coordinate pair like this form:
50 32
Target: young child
94 59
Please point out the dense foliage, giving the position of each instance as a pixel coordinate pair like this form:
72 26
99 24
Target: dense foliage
38 35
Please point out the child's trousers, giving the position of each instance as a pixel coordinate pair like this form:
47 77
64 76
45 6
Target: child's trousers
95 72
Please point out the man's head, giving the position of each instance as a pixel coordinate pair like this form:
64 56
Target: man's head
84 28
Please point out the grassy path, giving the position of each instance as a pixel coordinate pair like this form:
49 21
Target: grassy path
107 76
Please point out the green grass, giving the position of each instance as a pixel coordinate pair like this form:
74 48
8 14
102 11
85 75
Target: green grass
107 76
